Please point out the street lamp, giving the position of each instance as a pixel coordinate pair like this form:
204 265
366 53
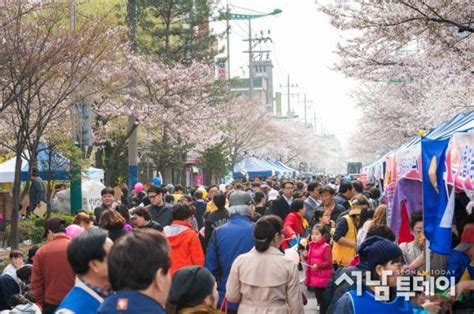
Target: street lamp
238 16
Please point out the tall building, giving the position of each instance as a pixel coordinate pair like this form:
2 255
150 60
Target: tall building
262 71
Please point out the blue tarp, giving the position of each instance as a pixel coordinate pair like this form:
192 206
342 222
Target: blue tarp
293 171
283 171
252 167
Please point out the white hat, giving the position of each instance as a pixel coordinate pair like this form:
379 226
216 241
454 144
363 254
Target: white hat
273 195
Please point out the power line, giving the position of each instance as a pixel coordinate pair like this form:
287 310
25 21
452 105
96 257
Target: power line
250 10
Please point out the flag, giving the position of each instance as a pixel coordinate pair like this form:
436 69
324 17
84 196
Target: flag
438 197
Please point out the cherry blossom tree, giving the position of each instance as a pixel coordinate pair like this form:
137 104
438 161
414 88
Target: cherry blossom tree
43 66
414 59
174 103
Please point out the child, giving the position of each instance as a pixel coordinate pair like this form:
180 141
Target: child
318 258
323 217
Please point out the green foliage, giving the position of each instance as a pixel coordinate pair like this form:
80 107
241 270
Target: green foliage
33 229
214 162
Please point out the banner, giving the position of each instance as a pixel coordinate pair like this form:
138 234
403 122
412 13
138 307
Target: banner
438 197
460 161
408 163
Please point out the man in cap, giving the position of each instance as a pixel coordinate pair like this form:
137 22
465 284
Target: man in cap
194 290
52 275
229 241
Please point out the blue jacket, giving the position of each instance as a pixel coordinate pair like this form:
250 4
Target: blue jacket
227 242
457 263
351 303
81 299
132 302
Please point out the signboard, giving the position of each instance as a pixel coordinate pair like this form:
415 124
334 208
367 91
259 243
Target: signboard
460 161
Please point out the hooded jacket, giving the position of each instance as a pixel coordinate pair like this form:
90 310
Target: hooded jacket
185 245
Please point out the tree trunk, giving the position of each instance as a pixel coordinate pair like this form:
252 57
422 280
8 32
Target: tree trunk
16 199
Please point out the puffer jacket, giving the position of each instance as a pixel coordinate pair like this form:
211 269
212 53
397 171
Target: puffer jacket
185 246
319 253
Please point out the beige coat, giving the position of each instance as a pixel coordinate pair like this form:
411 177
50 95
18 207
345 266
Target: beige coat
265 283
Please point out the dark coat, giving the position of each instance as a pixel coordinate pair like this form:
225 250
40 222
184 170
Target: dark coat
342 200
161 214
153 225
37 192
280 207
8 287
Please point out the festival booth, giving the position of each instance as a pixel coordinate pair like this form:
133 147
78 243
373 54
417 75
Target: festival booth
293 172
54 167
425 174
252 167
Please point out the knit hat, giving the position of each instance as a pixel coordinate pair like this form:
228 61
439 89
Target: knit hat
190 286
376 250
467 238
240 198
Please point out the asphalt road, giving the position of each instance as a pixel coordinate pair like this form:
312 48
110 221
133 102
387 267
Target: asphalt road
312 306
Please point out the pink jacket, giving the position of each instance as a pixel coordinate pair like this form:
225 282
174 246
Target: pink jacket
319 253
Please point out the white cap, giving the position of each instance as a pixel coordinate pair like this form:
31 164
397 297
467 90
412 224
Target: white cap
273 195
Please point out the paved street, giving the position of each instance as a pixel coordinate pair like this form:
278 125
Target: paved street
312 305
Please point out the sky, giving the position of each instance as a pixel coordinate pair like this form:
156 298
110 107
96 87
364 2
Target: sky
303 46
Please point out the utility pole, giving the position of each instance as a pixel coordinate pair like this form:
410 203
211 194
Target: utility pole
250 61
133 140
289 94
228 42
251 52
76 183
315 130
235 16
306 103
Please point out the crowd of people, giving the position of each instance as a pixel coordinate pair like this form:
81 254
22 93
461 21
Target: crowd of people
231 249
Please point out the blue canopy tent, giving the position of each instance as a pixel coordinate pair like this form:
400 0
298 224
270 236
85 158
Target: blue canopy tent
282 171
293 171
253 167
51 166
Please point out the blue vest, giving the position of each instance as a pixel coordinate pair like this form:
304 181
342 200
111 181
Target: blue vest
81 299
366 303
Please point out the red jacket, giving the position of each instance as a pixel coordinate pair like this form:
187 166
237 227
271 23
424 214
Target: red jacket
293 225
319 253
52 276
186 249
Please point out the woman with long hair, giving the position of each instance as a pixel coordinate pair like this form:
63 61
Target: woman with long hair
263 280
379 219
